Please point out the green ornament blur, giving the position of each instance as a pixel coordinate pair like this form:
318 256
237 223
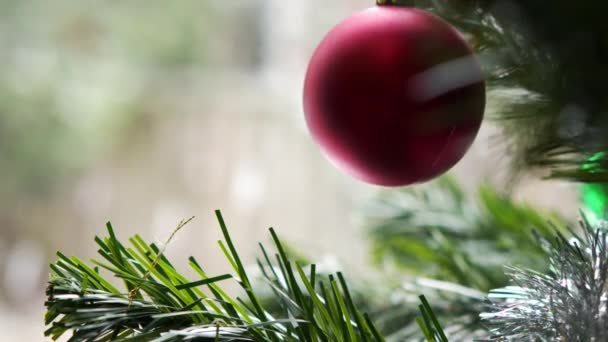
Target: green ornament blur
594 196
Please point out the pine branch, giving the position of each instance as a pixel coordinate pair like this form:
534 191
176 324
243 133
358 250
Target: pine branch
436 231
160 304
566 304
455 246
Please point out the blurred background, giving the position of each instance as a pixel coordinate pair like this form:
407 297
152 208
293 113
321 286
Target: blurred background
143 113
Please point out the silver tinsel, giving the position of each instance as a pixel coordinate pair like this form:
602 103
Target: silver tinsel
567 304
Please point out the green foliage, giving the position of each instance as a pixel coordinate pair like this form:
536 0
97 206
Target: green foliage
435 231
455 246
429 324
160 304
395 308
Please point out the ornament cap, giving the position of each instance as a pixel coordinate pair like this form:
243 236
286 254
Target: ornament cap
386 3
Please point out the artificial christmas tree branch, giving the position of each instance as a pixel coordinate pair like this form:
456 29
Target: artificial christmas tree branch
160 304
451 246
556 281
302 304
436 230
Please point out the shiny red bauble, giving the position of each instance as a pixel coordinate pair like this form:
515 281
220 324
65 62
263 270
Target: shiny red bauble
394 96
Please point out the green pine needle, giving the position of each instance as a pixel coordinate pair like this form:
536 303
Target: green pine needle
160 304
429 323
455 246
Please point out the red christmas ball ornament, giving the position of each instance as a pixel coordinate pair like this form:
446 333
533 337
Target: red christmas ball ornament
394 95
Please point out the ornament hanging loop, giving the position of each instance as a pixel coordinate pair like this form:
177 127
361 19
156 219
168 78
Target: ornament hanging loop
386 2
